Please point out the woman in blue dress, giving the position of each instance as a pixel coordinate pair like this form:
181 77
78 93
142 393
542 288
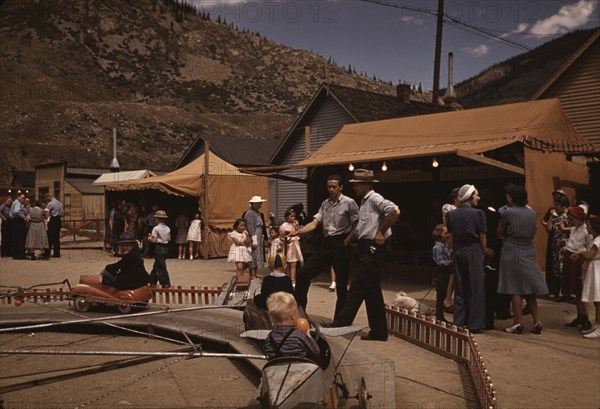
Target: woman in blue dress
519 274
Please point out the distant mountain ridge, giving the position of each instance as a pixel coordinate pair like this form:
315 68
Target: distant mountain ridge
518 78
156 70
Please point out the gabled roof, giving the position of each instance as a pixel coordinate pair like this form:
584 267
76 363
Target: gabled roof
361 105
238 151
367 106
567 65
115 177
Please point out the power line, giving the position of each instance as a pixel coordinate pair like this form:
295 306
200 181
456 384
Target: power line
458 22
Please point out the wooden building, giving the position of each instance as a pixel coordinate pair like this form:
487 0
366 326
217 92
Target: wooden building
577 85
74 187
330 108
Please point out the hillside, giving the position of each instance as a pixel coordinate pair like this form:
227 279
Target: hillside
159 72
519 77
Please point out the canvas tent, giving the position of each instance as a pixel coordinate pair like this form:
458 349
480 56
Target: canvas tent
228 192
540 127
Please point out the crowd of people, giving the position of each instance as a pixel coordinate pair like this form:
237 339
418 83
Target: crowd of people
476 279
485 279
30 229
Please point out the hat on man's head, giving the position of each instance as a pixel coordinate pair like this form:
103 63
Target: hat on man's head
126 238
256 199
363 176
277 260
576 212
465 192
160 214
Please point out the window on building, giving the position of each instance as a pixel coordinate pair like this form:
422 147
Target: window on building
42 192
57 190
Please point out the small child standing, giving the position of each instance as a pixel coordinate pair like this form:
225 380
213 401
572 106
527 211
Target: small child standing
293 252
276 243
285 339
194 236
591 281
442 256
238 252
276 281
161 236
577 244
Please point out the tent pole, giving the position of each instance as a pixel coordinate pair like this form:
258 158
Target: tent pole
206 212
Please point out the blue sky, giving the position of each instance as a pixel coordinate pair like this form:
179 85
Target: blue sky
395 40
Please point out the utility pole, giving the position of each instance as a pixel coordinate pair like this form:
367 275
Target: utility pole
438 55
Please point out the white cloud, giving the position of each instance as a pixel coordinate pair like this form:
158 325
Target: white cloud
568 18
478 51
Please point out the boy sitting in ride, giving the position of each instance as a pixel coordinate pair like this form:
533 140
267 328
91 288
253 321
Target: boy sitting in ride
285 339
276 281
128 273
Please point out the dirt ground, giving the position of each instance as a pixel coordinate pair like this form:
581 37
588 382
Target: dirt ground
558 369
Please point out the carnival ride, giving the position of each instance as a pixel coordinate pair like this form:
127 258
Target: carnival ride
286 382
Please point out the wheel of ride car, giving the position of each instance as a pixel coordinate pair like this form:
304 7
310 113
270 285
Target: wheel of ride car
124 308
81 304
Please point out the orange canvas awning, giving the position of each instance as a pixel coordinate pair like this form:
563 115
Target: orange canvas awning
473 131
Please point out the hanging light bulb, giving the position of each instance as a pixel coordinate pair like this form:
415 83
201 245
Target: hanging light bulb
350 167
435 163
384 167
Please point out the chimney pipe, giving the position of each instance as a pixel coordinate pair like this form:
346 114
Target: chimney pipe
450 95
114 164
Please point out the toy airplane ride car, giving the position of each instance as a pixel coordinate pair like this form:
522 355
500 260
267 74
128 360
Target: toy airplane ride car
90 290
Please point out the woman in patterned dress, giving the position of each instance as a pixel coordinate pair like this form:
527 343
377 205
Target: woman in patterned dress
559 239
182 222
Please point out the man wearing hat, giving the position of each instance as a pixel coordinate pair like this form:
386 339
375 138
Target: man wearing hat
376 216
161 235
128 273
255 224
467 227
338 216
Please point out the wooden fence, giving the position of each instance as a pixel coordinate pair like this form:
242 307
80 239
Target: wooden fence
83 230
449 341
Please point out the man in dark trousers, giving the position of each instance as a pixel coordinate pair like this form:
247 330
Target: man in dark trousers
128 273
55 210
19 227
338 216
376 216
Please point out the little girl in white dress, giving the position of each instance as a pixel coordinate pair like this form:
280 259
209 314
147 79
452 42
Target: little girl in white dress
591 280
238 252
293 253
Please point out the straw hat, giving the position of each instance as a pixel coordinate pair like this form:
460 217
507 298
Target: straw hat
256 199
160 214
363 176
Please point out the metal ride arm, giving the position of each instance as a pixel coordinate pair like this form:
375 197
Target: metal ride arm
113 317
133 353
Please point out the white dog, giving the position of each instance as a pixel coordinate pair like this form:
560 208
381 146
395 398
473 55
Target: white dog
403 301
